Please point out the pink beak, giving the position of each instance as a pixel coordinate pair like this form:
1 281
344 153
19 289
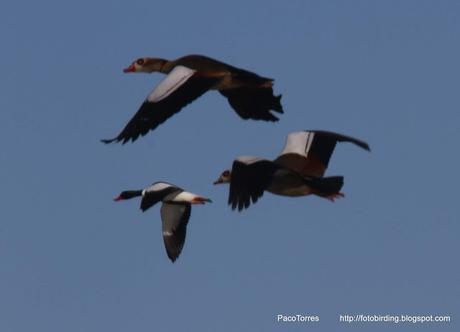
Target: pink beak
200 200
130 69
118 198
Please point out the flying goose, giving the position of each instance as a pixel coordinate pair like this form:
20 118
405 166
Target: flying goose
189 77
297 171
175 211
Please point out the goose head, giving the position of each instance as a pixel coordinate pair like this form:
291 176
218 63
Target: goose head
146 65
225 177
128 194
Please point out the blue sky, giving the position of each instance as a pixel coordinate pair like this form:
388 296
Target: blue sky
73 260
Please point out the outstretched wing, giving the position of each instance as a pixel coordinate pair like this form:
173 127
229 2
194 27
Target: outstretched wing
157 192
254 102
250 177
309 152
174 218
179 88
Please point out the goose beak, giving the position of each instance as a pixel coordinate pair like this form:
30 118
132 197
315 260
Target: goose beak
130 69
218 181
118 198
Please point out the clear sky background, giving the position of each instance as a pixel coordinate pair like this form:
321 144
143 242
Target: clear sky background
73 260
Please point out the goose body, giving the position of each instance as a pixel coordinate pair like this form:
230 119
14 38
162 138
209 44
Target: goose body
189 77
297 171
175 211
288 183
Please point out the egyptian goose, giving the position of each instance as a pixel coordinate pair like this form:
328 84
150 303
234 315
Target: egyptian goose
175 211
297 171
249 94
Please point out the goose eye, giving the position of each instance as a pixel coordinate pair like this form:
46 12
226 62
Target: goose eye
226 173
140 62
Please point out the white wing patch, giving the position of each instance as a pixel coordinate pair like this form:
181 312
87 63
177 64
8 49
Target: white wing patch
178 76
248 160
184 196
157 187
299 142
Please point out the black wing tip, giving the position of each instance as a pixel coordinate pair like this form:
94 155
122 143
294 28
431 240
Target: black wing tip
108 141
366 147
361 144
233 205
173 254
121 140
238 206
173 258
343 138
244 206
267 117
278 107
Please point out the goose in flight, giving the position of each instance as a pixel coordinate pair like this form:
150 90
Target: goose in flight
189 77
297 171
175 211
